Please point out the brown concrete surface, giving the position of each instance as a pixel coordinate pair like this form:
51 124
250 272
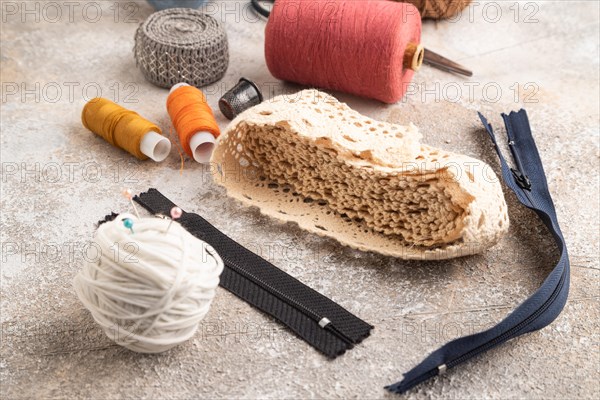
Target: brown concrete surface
58 179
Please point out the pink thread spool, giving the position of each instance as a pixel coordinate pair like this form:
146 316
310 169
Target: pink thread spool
368 48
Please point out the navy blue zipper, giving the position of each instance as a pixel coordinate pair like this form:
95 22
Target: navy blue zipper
441 369
529 183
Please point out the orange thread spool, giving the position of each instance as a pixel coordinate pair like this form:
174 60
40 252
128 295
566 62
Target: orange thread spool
193 120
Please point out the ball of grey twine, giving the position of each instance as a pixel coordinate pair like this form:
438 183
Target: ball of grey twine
181 45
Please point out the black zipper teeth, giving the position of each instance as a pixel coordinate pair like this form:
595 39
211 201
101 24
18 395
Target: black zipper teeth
330 327
287 299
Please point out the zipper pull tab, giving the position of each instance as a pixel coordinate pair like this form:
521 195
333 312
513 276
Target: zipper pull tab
324 322
442 369
522 180
518 173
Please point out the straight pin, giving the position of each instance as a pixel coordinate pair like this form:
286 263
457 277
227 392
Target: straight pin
129 196
128 223
176 213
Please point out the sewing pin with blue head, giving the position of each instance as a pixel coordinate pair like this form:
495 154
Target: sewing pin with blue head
128 223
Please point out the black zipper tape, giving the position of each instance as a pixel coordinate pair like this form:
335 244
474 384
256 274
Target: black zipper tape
528 182
322 323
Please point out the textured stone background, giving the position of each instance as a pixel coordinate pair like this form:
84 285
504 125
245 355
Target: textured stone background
58 179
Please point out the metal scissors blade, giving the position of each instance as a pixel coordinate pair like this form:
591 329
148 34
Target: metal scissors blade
442 63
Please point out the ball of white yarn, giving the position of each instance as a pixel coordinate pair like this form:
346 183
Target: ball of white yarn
150 285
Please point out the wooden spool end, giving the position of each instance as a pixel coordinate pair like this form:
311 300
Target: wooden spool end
413 56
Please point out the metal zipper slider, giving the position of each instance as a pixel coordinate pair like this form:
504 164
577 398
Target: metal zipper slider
324 322
519 173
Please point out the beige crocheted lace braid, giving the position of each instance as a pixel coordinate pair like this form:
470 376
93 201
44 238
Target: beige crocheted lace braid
309 159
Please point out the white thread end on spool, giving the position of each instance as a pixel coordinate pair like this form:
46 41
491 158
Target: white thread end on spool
177 86
155 146
202 145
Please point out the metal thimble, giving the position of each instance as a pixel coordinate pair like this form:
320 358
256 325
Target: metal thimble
240 98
